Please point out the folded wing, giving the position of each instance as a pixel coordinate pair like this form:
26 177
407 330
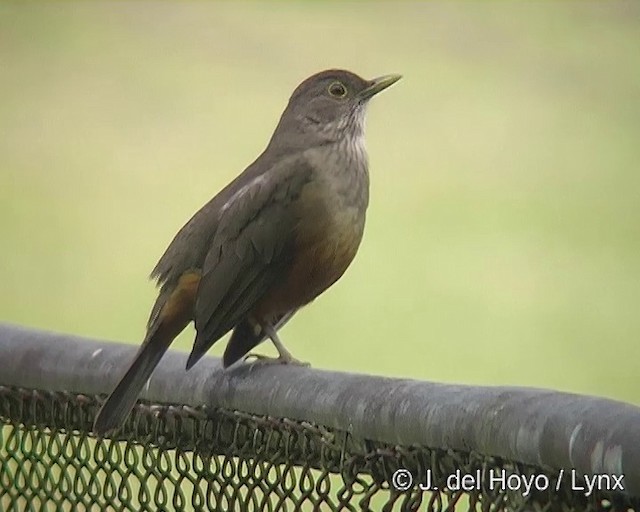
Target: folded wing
251 251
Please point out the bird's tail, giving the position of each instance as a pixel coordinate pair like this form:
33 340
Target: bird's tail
120 402
171 313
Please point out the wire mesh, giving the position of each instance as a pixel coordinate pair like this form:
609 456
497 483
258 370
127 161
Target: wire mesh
184 458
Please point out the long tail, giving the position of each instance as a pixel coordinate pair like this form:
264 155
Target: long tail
170 315
120 402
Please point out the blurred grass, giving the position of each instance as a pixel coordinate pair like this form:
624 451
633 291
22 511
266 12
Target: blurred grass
504 230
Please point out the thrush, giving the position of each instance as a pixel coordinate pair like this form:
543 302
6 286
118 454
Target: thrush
270 242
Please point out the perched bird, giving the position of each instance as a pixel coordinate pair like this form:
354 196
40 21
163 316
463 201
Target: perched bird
270 242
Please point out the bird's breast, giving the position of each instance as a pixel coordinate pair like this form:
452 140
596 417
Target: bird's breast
326 248
327 237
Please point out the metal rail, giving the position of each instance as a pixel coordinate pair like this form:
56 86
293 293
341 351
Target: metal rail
544 428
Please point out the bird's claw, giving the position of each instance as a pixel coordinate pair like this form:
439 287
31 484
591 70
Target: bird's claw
275 360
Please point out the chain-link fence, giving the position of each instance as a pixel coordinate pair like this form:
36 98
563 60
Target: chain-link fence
275 438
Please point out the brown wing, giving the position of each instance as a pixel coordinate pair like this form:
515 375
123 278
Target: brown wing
251 251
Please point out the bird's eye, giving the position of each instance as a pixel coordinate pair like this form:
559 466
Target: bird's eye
337 90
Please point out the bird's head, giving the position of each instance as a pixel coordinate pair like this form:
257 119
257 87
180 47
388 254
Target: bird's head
331 104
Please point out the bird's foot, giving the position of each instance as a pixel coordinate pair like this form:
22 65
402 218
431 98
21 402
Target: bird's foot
281 359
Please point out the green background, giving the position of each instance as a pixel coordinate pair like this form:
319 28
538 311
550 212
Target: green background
503 236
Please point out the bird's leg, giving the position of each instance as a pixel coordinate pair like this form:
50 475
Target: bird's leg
284 356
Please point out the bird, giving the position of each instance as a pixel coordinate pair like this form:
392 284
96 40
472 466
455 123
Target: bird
271 241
